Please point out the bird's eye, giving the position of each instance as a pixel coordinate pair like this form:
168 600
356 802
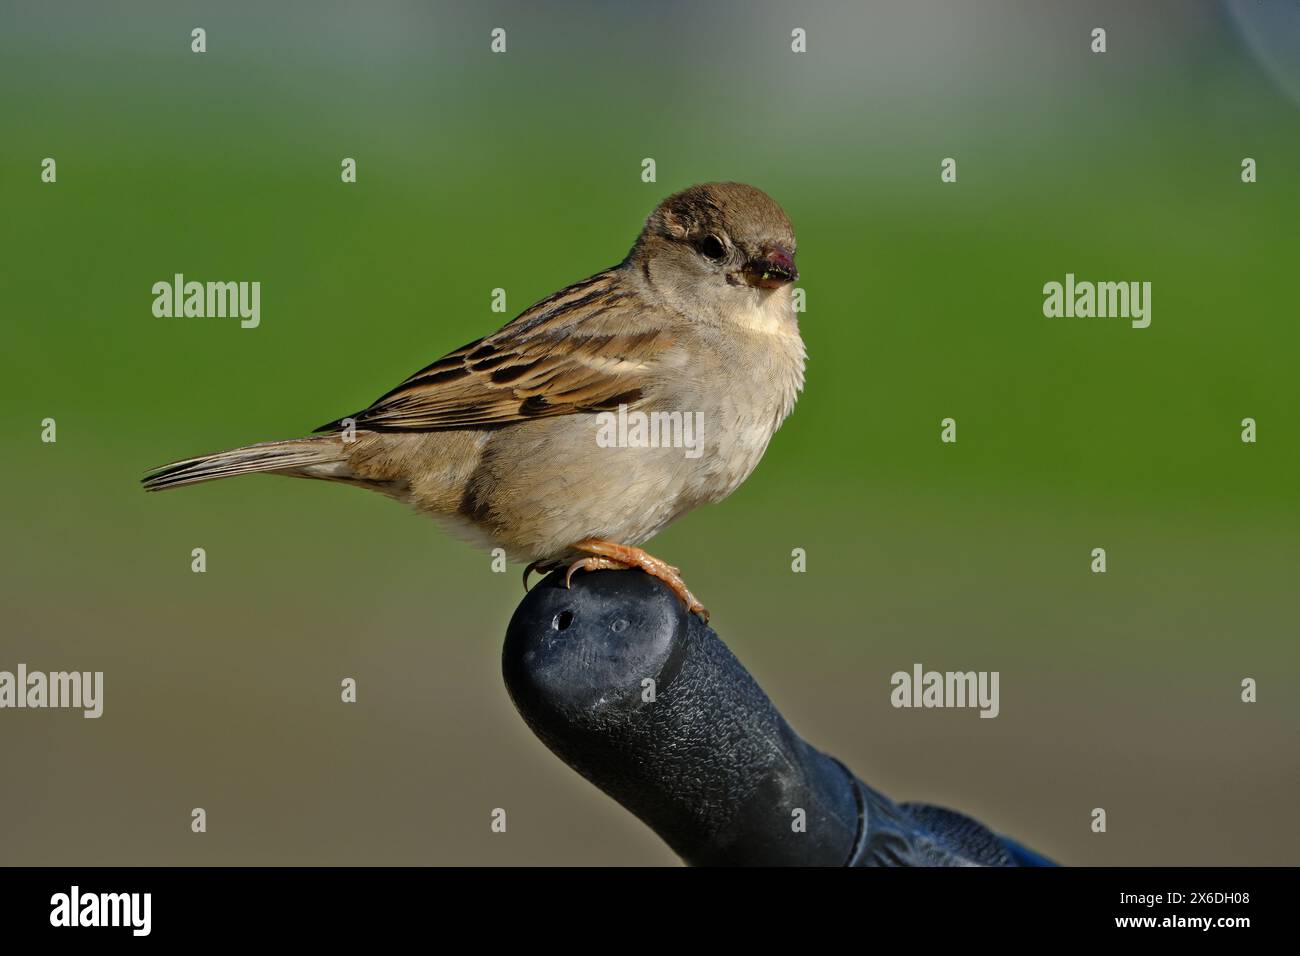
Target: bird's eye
711 247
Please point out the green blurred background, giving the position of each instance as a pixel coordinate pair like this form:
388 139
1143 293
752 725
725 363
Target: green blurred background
523 171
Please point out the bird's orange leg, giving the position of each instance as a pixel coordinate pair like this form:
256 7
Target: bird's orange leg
607 555
593 564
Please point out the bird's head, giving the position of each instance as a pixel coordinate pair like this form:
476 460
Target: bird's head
718 247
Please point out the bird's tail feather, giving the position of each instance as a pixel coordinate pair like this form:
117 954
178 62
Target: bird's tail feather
283 457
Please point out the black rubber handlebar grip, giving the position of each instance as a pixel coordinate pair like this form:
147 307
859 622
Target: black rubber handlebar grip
649 705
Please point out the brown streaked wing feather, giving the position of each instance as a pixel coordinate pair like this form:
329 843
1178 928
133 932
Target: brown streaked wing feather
581 350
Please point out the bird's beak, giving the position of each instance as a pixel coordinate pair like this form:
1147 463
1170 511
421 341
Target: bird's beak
770 270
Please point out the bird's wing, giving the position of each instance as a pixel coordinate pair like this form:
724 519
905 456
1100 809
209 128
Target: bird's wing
587 348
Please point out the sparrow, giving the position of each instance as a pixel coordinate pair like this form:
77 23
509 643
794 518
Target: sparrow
500 441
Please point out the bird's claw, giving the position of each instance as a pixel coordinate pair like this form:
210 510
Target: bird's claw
608 556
